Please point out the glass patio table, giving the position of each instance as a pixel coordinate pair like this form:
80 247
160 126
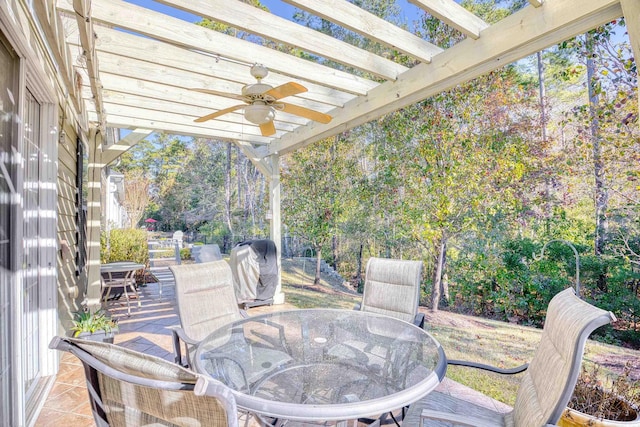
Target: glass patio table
322 364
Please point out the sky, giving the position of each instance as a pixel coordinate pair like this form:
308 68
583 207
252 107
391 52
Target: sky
276 7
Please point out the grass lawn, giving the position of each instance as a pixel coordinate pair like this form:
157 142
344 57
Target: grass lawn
462 337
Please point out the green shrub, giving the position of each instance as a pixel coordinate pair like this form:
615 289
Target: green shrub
126 245
104 251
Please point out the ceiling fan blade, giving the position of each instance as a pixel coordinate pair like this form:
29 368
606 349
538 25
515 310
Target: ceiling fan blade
268 129
218 113
218 93
286 89
306 113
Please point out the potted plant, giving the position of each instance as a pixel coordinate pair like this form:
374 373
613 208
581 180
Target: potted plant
96 326
594 405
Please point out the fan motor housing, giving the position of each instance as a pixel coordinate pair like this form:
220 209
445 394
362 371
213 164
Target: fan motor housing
256 91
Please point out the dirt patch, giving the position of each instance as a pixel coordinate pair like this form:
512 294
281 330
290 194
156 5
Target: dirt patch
617 363
334 290
454 320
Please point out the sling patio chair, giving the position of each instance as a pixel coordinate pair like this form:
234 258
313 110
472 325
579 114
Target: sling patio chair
129 388
392 287
548 380
206 301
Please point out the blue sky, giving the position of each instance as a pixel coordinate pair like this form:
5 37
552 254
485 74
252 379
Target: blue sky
277 7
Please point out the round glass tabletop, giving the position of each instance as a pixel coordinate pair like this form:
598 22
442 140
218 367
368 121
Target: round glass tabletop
322 364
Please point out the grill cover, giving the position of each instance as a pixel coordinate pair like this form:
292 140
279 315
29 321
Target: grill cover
254 264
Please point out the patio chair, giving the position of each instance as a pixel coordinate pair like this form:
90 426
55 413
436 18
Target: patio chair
547 383
128 388
392 287
206 300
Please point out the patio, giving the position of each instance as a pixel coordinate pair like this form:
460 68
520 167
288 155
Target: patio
146 331
81 70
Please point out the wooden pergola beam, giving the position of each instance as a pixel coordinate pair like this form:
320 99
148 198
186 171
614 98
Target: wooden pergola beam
516 36
259 22
82 11
367 24
631 11
192 37
112 152
453 15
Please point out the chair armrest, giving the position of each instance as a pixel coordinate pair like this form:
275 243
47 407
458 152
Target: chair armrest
178 331
455 419
210 387
509 371
178 334
419 320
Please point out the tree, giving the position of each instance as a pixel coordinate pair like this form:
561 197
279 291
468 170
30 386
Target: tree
136 195
159 160
313 180
462 158
605 135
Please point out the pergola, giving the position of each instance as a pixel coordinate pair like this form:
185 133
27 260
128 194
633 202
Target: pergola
137 67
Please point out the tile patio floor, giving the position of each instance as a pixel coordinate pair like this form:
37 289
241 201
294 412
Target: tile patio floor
146 330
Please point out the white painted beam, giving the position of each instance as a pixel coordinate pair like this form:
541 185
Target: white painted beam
81 10
112 152
631 11
198 108
190 36
453 15
127 122
272 27
178 82
163 55
367 24
521 34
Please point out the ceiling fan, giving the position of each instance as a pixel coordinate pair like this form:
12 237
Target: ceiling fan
262 100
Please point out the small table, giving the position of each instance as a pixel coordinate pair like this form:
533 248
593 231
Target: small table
120 275
322 364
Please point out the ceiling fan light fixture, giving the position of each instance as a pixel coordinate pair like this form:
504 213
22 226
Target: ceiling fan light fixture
259 114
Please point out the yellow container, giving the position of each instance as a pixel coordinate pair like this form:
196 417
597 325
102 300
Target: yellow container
572 418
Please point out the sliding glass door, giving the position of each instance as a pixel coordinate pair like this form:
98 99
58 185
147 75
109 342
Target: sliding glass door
8 200
32 161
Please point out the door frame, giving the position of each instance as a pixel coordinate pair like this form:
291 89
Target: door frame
31 66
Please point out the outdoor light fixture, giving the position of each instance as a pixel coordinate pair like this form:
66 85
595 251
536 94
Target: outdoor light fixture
259 114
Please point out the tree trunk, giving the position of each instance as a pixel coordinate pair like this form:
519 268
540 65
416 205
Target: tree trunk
438 292
316 280
334 254
548 183
601 193
227 200
359 266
